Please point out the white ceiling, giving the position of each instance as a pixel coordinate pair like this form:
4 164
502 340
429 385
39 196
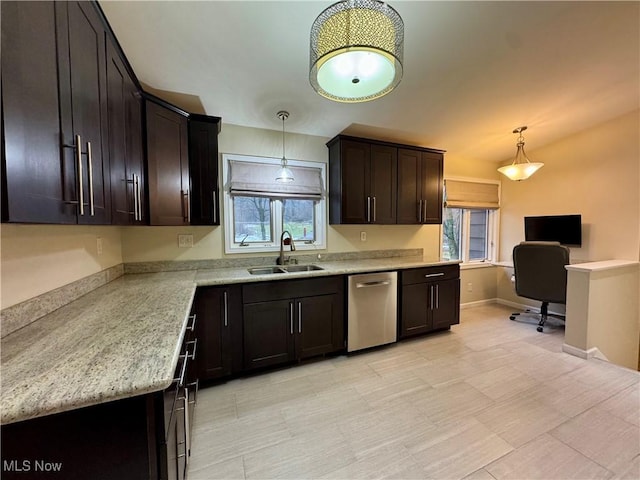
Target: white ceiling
473 71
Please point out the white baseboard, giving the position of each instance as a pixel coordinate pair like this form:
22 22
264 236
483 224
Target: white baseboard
593 352
477 303
517 306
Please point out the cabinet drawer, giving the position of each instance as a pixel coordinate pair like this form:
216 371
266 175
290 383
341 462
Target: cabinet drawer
286 289
430 274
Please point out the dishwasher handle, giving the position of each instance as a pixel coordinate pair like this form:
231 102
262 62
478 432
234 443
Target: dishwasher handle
376 283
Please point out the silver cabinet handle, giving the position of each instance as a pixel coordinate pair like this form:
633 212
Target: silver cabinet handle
195 346
226 309
424 215
135 196
430 297
291 316
215 206
299 317
139 197
374 209
80 174
429 275
185 207
368 209
372 284
192 327
180 379
420 212
437 296
90 162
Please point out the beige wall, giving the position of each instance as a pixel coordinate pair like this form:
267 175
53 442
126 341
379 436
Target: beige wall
595 173
38 258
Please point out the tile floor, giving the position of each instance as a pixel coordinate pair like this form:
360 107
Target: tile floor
490 399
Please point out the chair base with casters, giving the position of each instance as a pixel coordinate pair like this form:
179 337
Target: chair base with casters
544 315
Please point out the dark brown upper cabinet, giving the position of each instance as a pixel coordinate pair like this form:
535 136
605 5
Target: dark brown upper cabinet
419 186
384 183
54 114
362 182
203 169
126 156
167 165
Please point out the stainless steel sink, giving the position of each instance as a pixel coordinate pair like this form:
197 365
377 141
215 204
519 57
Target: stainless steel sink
265 270
283 269
302 268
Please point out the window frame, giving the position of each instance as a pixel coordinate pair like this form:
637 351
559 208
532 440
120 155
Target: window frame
493 229
276 205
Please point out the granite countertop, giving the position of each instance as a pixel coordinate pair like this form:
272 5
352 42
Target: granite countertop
124 338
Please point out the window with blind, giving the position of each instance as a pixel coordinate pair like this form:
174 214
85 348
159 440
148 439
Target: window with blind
258 209
470 220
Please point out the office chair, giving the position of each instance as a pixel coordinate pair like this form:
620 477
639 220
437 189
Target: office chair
541 275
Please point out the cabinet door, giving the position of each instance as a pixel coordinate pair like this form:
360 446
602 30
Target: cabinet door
446 308
319 325
135 153
268 333
383 184
355 161
218 310
121 185
38 182
409 186
86 93
203 168
168 168
415 318
125 143
432 187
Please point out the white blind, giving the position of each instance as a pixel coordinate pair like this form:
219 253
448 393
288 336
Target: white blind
259 179
463 194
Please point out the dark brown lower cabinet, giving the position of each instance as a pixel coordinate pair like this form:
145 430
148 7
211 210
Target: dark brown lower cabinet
142 437
219 330
430 299
291 320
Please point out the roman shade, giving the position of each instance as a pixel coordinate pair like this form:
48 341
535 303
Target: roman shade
259 179
467 194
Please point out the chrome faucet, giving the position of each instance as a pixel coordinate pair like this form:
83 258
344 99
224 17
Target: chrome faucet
281 259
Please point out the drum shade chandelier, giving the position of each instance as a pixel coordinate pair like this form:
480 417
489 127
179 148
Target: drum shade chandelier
521 168
284 174
356 51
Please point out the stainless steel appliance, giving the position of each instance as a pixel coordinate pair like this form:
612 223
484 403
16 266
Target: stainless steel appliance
372 308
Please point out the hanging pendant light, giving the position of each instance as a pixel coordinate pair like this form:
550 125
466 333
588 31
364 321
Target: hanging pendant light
521 168
356 51
284 174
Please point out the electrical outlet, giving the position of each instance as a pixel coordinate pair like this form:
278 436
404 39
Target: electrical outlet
363 236
99 245
185 240
469 287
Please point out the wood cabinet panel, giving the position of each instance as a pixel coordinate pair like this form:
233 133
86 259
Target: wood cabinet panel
125 143
268 333
430 299
203 169
168 166
219 330
88 99
372 181
37 181
383 184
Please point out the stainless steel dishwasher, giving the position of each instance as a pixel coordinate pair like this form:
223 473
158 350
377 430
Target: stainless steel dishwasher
372 308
